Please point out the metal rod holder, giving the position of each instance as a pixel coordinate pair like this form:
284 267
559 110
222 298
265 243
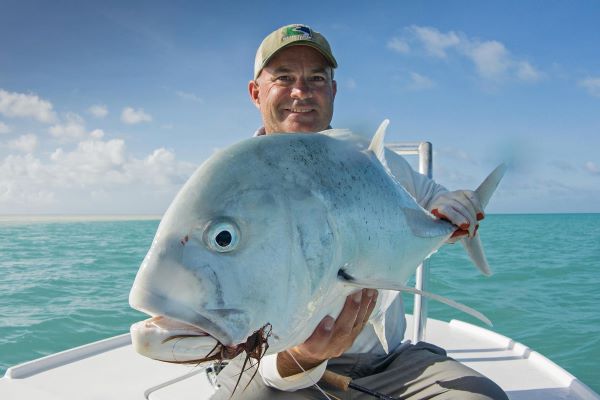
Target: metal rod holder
425 152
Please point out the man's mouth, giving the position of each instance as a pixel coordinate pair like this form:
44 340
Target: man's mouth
299 110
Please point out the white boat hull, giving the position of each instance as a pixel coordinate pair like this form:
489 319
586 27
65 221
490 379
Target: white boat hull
111 369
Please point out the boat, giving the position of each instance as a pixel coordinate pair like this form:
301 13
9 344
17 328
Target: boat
111 369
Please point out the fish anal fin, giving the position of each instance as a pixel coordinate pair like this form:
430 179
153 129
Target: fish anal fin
379 284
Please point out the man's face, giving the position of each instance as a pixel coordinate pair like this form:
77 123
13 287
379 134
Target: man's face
295 91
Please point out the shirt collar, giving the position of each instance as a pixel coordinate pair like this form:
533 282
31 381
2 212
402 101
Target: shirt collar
261 131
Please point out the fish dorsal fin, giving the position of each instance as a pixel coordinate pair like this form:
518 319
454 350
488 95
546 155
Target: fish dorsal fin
377 143
389 285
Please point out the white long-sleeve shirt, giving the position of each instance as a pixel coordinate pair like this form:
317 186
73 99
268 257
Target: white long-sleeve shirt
388 316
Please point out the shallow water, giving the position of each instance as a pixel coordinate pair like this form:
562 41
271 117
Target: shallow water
66 283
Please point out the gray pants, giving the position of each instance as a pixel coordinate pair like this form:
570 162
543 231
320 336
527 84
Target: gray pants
421 371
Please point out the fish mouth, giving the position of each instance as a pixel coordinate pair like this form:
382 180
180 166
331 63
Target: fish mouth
180 317
165 339
177 329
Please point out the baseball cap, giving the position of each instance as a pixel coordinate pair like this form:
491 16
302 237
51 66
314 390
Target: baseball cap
291 35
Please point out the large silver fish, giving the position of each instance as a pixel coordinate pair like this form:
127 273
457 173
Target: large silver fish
270 235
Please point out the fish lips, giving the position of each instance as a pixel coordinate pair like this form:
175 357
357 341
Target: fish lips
157 305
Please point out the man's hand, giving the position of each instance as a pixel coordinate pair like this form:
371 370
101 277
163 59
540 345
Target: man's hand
462 208
332 337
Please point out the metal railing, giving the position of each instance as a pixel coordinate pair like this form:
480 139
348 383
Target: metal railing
420 311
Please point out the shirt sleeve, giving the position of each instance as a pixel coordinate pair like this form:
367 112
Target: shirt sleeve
422 188
270 375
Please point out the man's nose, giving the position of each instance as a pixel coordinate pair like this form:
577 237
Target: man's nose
301 89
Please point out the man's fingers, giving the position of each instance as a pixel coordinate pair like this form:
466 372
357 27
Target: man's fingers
369 297
473 199
457 213
320 338
346 320
371 307
462 208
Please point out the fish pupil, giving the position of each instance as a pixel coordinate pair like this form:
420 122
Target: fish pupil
223 239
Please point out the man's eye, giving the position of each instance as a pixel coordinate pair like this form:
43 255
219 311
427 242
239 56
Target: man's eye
284 78
317 78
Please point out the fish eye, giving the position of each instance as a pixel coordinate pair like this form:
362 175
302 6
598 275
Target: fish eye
222 236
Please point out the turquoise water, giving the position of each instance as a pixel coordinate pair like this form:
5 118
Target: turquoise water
64 284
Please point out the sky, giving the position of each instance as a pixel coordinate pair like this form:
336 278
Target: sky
108 107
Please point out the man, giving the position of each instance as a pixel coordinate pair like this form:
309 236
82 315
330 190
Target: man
294 89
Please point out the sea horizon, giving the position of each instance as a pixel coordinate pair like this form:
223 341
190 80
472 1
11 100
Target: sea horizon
60 217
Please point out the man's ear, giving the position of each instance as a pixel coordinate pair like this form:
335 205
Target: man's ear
253 90
334 86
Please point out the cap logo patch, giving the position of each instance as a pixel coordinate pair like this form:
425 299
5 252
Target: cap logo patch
296 32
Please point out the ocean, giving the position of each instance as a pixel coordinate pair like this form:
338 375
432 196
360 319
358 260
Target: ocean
64 282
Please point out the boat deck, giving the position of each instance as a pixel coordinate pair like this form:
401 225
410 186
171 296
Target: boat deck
111 369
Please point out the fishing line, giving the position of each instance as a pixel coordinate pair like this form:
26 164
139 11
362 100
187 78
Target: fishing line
315 384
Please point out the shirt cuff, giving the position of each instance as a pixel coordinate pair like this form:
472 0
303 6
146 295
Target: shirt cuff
270 375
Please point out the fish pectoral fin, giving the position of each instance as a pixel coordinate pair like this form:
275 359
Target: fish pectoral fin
377 284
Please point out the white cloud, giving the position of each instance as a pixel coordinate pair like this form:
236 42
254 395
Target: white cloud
4 128
22 105
592 85
72 128
398 45
22 183
189 96
95 176
434 41
592 168
92 162
493 61
97 134
420 82
24 143
527 72
132 116
491 58
98 111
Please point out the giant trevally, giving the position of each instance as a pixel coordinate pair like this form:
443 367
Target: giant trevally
270 235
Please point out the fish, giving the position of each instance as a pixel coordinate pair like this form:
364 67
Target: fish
271 234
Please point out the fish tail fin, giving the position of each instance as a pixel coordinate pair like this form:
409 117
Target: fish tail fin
484 192
489 185
474 249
